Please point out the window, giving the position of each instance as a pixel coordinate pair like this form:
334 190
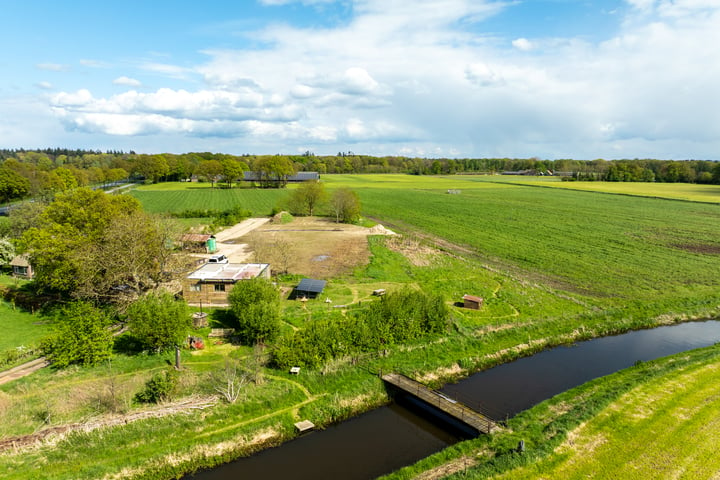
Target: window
219 287
196 287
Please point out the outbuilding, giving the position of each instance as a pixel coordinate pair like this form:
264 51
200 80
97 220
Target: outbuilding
472 302
211 283
309 288
21 267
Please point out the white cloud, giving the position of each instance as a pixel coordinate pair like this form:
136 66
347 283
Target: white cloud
127 82
53 67
44 85
93 63
523 44
423 77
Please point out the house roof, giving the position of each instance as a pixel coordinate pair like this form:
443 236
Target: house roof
310 285
473 298
298 177
228 272
196 237
20 261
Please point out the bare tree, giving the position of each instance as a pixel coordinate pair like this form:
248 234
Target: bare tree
230 381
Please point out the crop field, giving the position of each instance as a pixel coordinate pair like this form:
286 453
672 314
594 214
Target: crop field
554 265
611 249
673 191
176 197
602 246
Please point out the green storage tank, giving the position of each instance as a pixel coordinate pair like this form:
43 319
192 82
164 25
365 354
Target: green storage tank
211 245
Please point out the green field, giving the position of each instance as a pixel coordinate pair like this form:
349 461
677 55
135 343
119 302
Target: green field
19 327
667 429
176 197
554 265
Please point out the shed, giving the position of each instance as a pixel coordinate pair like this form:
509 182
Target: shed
197 242
309 288
472 302
21 266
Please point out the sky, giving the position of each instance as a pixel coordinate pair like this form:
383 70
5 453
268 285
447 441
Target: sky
553 79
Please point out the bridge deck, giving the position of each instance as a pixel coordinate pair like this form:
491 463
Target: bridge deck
465 414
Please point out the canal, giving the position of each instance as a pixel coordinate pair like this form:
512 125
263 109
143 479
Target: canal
391 437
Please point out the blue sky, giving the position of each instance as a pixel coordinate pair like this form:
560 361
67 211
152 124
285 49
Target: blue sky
433 78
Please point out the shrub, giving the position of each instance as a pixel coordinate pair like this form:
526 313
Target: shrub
159 388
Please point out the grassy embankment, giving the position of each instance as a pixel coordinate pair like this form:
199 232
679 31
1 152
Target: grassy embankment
657 420
553 266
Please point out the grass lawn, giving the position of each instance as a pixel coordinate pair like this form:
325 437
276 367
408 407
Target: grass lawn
664 429
553 265
19 327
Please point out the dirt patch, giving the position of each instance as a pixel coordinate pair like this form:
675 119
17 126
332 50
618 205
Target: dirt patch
417 253
703 249
453 372
310 246
452 467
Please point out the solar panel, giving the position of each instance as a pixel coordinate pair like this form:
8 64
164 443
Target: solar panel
311 286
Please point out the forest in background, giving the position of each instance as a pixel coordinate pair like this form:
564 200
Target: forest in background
42 173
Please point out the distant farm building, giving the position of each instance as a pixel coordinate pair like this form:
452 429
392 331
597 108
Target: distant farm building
472 302
211 283
309 288
21 267
198 243
297 178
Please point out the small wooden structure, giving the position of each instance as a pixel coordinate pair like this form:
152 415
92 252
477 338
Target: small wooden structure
379 292
472 302
304 426
200 319
197 242
221 332
309 288
295 370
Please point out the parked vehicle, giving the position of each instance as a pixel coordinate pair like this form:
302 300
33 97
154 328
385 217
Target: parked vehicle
218 259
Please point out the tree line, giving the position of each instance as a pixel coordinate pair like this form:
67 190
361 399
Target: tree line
40 173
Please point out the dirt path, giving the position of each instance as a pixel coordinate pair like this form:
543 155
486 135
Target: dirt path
240 229
23 370
184 406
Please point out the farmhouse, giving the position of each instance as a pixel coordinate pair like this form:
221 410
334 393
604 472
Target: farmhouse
211 283
21 267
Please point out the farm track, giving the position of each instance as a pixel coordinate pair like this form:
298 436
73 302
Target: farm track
184 406
23 370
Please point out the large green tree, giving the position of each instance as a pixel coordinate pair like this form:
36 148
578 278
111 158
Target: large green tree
81 336
91 245
307 197
232 170
345 204
255 305
12 185
159 321
210 169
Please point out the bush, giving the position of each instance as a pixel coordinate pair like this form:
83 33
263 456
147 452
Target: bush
255 305
81 337
160 388
159 321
